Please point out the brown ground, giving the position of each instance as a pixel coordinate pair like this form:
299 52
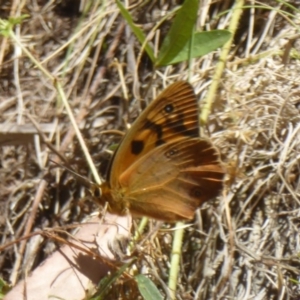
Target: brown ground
244 245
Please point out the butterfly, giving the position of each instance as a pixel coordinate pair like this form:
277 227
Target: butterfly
162 169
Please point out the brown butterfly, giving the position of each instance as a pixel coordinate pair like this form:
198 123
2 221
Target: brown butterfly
162 169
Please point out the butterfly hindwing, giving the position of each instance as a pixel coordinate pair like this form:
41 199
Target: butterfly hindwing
173 179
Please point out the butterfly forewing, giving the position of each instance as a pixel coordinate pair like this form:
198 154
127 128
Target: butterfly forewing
172 114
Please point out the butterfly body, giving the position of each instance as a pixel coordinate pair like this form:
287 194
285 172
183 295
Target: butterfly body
162 169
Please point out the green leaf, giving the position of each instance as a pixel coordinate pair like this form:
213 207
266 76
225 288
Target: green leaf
147 288
136 30
113 147
17 20
6 26
4 288
180 32
203 43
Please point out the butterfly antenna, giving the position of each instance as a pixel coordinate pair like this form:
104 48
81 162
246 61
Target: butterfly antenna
93 187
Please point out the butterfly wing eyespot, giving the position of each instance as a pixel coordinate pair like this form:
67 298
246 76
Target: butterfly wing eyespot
168 108
137 147
171 153
162 169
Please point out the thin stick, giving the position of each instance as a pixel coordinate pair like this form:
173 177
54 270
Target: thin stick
237 12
